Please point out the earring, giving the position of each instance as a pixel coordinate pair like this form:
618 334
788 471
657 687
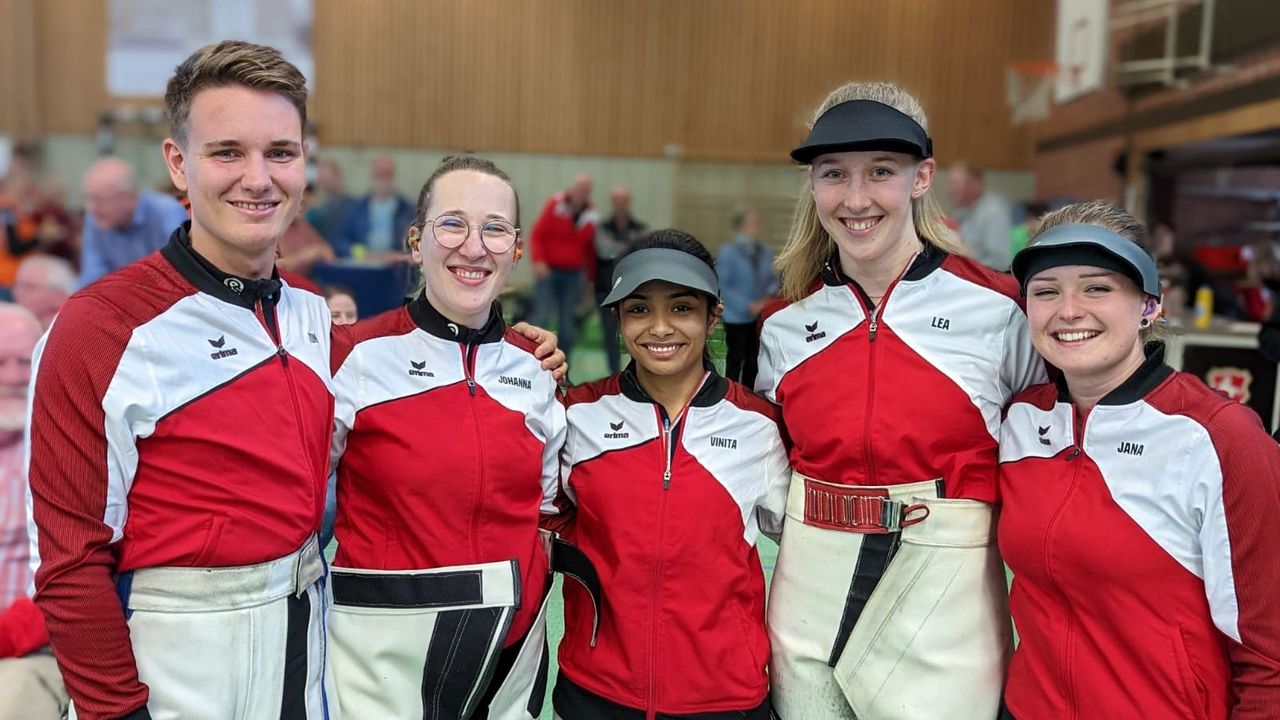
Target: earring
1144 323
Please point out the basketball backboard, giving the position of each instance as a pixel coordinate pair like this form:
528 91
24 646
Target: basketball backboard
1081 48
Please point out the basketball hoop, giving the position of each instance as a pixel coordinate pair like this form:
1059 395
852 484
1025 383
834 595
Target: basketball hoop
1029 89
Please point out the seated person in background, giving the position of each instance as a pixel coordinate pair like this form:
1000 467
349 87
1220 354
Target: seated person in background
30 686
1184 276
342 305
122 224
43 283
46 226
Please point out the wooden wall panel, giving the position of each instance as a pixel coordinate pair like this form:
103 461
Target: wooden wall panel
19 103
706 79
71 39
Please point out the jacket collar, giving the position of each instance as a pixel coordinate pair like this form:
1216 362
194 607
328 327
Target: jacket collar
1146 378
433 323
209 279
713 390
925 262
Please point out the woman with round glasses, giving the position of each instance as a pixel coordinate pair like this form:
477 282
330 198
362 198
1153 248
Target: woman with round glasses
1139 506
446 445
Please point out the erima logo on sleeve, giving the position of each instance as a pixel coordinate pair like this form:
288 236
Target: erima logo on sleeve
813 332
1043 431
615 435
218 345
417 369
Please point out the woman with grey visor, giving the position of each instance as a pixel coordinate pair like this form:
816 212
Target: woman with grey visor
674 472
891 362
1137 503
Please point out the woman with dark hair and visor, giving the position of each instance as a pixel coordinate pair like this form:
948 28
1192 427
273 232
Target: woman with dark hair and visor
892 362
674 471
1138 504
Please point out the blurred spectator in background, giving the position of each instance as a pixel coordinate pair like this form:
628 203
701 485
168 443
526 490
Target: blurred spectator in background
1022 231
1184 275
332 203
43 283
1257 289
342 305
122 224
986 219
45 225
301 247
561 244
614 237
378 221
32 686
747 280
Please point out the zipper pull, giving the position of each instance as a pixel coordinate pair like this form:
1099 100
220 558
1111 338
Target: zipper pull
872 328
471 385
1075 453
666 479
284 356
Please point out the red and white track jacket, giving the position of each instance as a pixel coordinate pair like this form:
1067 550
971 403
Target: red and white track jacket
669 519
180 417
447 446
908 391
1145 553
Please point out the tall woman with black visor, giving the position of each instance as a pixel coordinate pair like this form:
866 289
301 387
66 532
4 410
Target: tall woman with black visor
892 361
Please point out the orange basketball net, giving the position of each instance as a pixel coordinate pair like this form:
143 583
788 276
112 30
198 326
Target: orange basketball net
1029 89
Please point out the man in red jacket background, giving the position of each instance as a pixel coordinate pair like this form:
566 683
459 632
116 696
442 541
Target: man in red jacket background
561 244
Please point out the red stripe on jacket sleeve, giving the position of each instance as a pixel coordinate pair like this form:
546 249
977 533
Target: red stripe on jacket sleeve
75 586
1250 462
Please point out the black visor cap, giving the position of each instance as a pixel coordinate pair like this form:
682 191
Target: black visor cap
863 125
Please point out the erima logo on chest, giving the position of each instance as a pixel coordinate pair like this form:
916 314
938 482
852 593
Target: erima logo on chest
220 352
515 381
1128 448
813 332
417 369
1043 430
616 435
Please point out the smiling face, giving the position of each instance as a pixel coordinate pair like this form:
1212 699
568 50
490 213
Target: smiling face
863 200
242 166
1085 321
463 282
665 327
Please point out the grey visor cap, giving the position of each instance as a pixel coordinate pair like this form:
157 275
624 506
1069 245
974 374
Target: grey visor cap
1083 235
674 266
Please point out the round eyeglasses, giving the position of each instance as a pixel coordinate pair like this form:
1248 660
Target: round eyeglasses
450 231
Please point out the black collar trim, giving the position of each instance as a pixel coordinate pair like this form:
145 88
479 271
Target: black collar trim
712 391
207 278
925 262
1146 378
432 322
